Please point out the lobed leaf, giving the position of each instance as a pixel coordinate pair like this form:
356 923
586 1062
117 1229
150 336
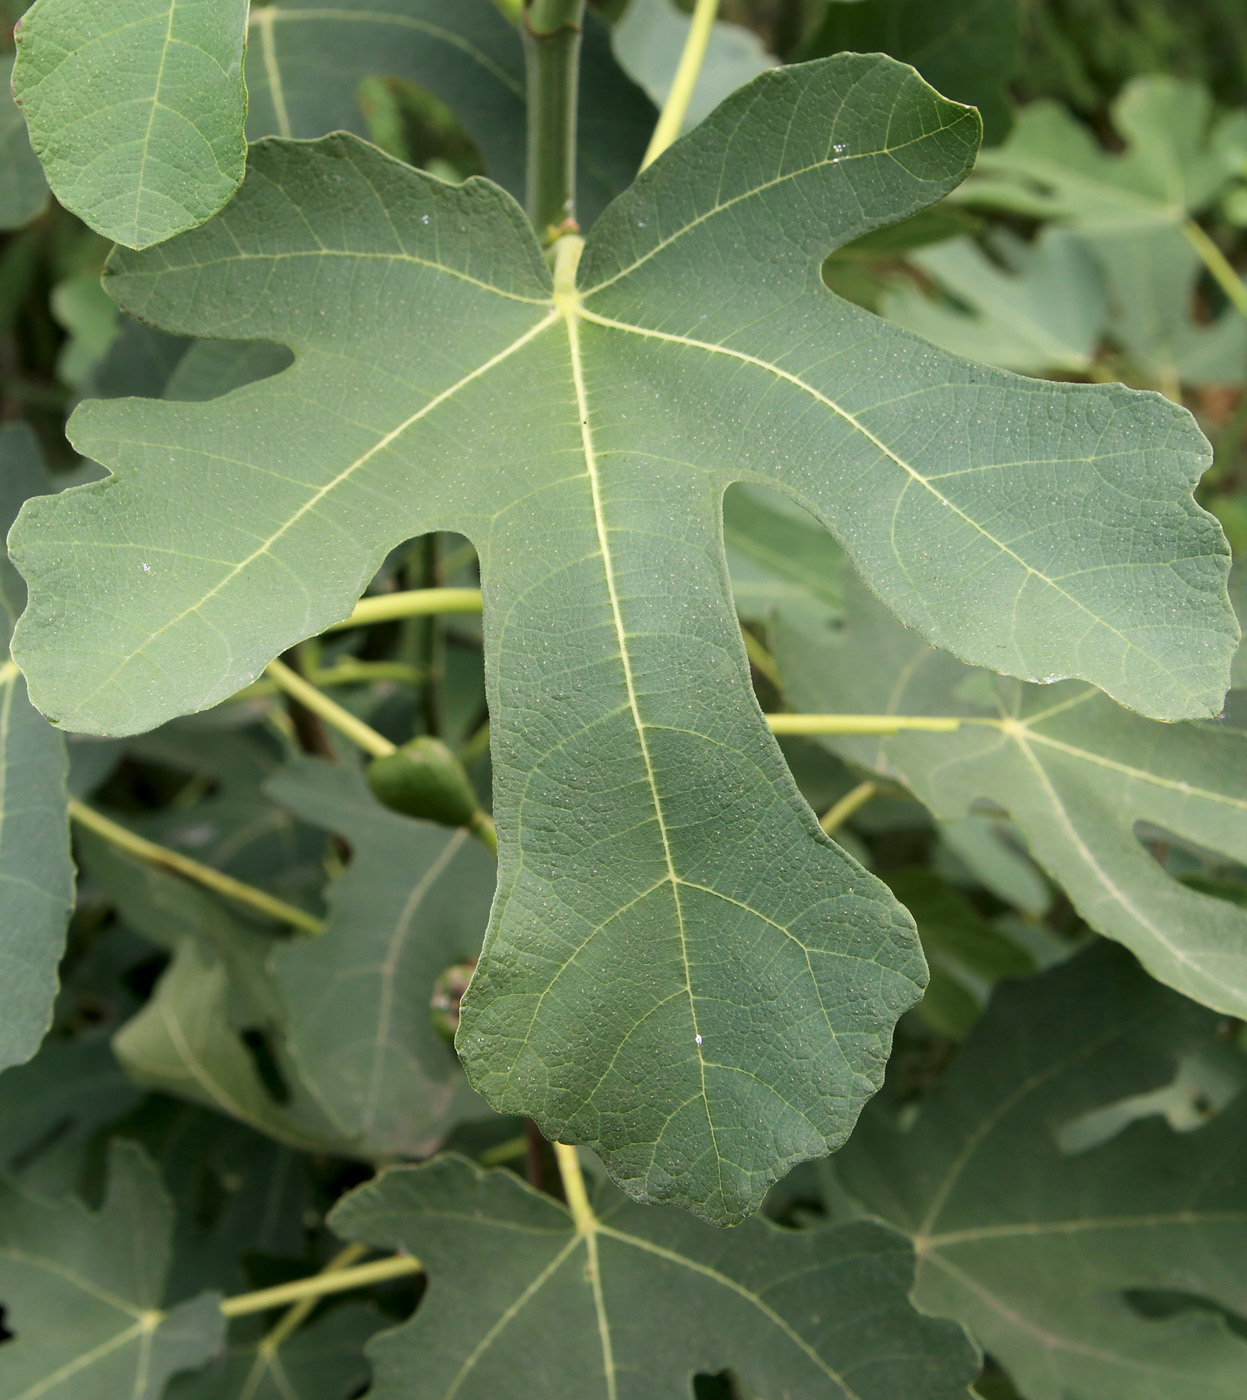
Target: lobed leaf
136 109
82 1293
1077 773
1049 1255
633 1308
681 968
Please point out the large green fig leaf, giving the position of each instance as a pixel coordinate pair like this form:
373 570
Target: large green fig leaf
357 998
632 1305
664 893
36 871
1041 1251
136 108
82 1293
23 190
307 58
1077 773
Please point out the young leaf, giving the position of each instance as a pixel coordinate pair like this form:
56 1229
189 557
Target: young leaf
634 1306
36 871
582 435
136 108
82 1293
414 900
1045 313
307 58
1038 1251
1076 773
23 190
1052 166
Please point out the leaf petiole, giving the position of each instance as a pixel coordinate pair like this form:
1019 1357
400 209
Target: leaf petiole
671 119
574 1188
867 724
853 800
415 602
1218 265
321 1285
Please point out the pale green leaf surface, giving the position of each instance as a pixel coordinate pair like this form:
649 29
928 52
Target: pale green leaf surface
414 900
307 57
36 872
652 1299
967 49
89 317
23 190
82 1293
1045 311
650 38
322 1361
583 440
1076 773
136 109
1053 167
1033 1248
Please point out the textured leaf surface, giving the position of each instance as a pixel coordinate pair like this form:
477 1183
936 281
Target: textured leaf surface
632 1311
307 57
82 1293
1076 772
414 900
681 968
23 190
136 108
36 871
1045 312
1035 1250
1052 166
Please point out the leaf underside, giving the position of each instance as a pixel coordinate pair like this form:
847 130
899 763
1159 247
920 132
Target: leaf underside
680 968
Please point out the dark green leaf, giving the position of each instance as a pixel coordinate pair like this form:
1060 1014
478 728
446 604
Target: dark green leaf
632 1310
23 190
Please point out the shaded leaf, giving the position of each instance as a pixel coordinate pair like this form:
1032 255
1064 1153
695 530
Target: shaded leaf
1077 774
777 553
1038 1250
967 49
307 58
633 1310
1045 313
582 436
23 190
358 1020
36 871
83 1293
1053 167
136 108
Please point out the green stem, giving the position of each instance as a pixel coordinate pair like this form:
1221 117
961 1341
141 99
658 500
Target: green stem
760 659
359 733
675 108
126 840
864 724
1218 265
574 1188
321 1285
418 602
552 60
297 1314
839 813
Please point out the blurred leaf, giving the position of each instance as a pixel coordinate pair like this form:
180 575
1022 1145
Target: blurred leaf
414 900
23 190
967 49
996 863
136 109
1039 1251
1076 772
634 1309
777 553
89 317
1042 312
1052 167
83 1293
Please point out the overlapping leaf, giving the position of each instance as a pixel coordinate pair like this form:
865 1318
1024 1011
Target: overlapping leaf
307 58
83 1293
36 872
136 108
414 900
1077 773
681 969
1049 1257
23 190
633 1308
